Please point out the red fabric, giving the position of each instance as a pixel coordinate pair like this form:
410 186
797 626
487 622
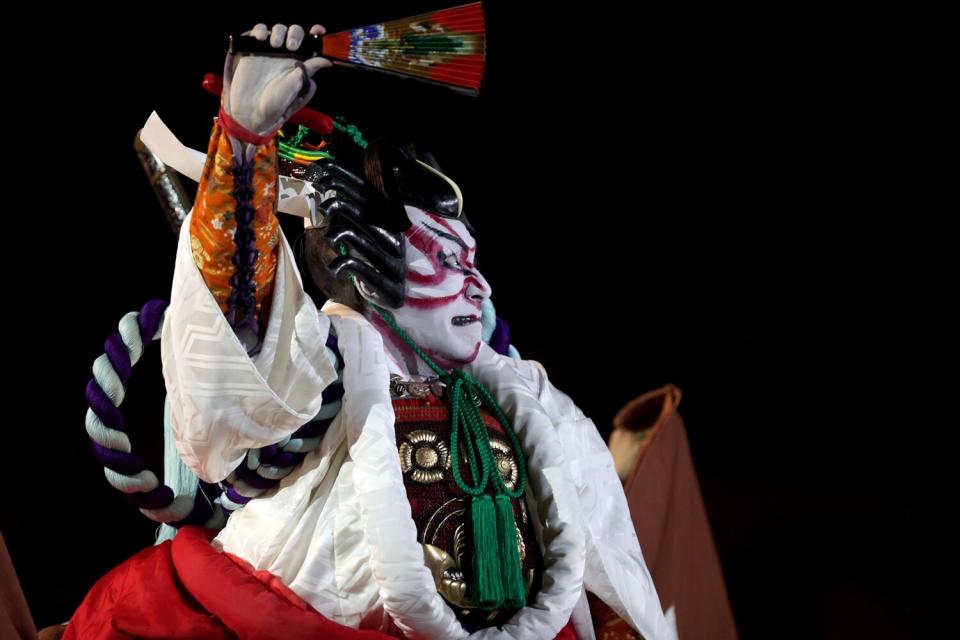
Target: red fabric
317 121
272 582
185 588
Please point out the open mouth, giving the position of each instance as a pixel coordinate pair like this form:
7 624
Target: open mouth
461 321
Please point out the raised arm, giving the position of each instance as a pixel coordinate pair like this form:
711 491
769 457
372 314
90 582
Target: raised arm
243 346
234 231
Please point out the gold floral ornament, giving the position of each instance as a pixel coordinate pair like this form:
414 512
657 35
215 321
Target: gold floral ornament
506 463
424 456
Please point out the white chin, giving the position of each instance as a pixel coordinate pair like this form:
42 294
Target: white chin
465 351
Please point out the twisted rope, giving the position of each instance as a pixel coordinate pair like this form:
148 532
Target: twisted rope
210 504
124 470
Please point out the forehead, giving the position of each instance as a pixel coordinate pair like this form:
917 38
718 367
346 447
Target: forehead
438 227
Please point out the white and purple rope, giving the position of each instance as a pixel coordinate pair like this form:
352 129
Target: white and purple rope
261 470
125 471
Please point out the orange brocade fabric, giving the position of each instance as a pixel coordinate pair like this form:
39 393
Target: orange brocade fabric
213 223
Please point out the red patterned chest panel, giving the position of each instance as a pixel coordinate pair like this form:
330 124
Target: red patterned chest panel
440 508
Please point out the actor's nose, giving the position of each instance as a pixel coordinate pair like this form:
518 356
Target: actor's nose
478 289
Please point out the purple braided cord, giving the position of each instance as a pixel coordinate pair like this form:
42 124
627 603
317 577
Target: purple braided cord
149 319
148 322
234 496
101 404
282 458
125 463
268 451
157 498
253 479
242 305
119 357
334 346
313 429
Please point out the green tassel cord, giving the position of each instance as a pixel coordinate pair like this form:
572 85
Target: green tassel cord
497 576
514 589
487 585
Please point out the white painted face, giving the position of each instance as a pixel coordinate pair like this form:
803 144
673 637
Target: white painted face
441 311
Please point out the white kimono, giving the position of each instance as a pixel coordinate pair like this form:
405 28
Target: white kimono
338 531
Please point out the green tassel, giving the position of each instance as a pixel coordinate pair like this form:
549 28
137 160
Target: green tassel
486 591
511 571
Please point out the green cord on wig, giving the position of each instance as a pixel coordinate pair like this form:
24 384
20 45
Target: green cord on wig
497 576
293 150
302 132
350 130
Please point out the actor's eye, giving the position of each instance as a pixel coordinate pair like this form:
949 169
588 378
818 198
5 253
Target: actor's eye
451 260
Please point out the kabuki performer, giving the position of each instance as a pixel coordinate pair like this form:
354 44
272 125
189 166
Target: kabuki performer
389 465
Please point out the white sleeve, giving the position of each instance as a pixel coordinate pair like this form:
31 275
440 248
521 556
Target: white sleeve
615 570
222 401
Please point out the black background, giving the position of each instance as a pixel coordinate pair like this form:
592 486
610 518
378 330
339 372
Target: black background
664 197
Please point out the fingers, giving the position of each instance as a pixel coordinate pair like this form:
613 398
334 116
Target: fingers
290 37
294 37
278 35
259 31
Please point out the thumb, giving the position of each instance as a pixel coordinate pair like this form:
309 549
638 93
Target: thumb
315 64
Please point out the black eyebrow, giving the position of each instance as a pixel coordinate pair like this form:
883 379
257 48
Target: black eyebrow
448 236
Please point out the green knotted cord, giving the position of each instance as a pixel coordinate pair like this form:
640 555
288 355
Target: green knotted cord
302 132
351 130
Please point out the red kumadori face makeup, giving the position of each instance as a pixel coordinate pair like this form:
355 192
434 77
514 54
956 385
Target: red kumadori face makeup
444 293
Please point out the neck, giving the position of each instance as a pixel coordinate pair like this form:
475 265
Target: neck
402 358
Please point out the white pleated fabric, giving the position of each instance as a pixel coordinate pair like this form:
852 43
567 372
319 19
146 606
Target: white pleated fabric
223 402
338 530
